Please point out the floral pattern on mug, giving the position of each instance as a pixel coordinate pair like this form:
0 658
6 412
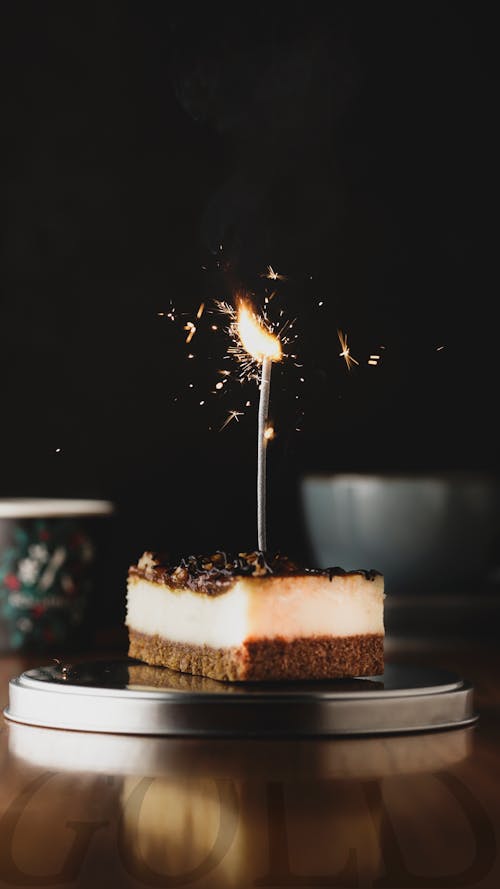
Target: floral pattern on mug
44 582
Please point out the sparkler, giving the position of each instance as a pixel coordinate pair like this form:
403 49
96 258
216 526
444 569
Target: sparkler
263 347
256 342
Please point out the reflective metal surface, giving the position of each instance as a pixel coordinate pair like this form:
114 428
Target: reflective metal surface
128 697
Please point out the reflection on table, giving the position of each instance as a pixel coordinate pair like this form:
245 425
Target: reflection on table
171 812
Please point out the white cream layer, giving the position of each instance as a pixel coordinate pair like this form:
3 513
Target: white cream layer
289 607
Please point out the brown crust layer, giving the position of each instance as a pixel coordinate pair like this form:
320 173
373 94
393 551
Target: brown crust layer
317 657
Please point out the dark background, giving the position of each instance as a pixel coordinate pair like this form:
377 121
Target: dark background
156 155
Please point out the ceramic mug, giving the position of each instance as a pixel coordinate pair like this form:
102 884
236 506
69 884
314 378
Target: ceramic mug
49 557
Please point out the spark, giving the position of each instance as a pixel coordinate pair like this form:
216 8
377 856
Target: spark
201 402
190 355
232 415
269 433
321 303
200 311
192 330
58 450
170 314
219 385
439 348
345 353
272 275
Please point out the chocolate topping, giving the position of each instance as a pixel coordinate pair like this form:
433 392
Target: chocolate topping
213 574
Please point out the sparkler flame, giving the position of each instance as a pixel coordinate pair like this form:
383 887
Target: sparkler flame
255 337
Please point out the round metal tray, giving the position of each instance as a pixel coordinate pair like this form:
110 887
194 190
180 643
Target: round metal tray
129 697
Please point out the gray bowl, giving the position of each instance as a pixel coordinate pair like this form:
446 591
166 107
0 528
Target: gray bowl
425 533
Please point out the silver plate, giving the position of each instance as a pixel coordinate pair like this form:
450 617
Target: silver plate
129 697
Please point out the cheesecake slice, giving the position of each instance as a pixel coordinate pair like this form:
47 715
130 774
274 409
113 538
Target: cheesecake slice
253 618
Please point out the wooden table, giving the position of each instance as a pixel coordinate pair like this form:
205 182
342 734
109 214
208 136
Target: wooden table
412 811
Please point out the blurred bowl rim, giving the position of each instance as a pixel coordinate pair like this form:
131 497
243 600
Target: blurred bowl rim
48 507
447 475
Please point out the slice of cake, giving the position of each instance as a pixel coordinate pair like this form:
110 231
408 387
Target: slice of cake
253 618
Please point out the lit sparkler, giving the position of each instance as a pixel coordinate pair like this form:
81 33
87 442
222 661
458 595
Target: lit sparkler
262 347
346 353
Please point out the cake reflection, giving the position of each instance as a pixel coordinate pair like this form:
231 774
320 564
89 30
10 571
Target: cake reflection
142 677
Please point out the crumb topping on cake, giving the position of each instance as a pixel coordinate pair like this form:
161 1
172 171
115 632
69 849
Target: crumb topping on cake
214 574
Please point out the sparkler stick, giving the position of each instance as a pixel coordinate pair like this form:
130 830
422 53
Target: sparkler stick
264 347
265 391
